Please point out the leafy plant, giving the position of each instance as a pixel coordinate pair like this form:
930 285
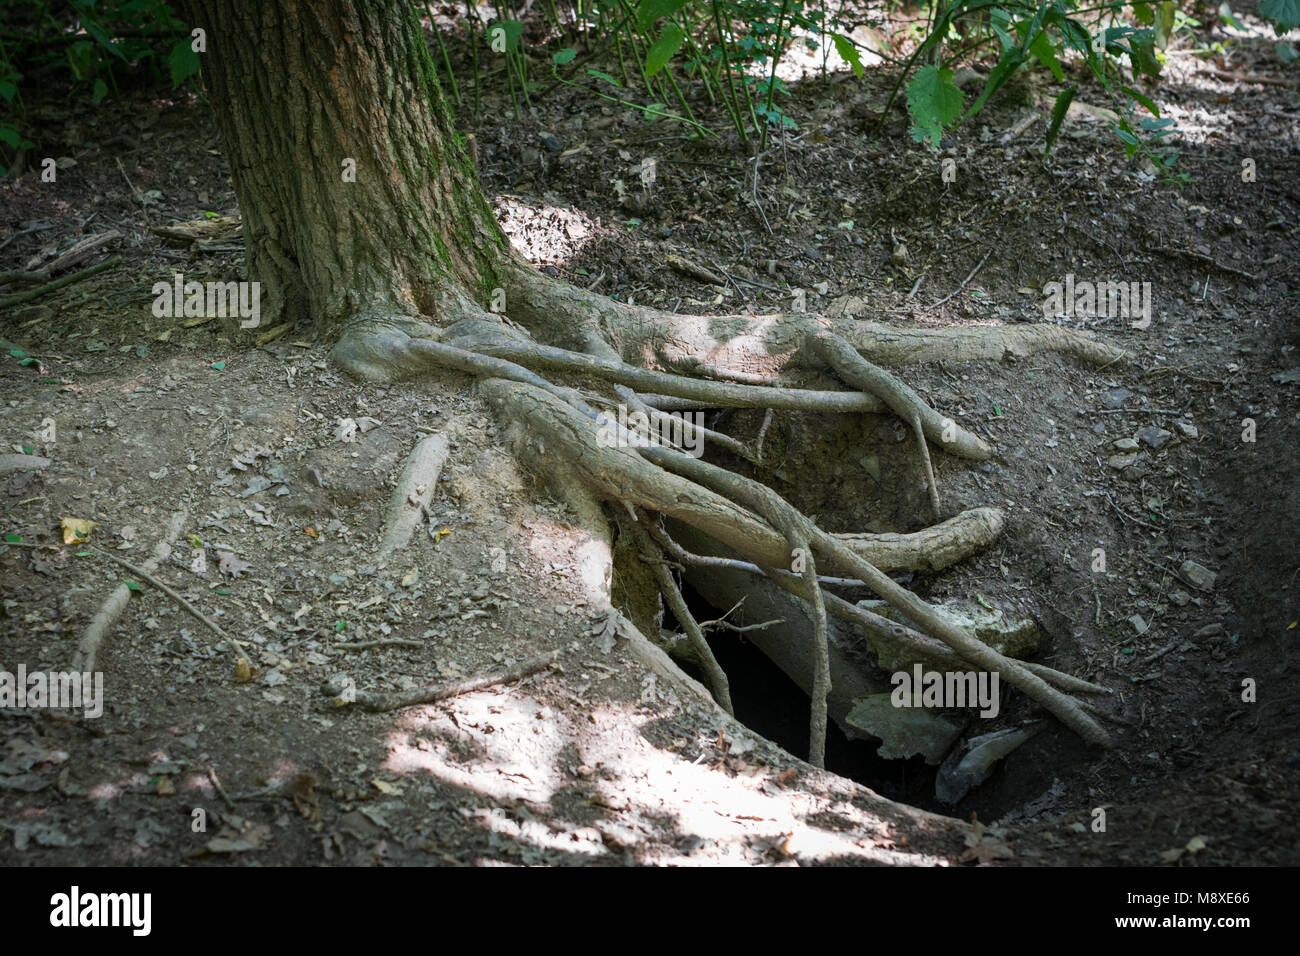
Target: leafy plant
100 42
1041 34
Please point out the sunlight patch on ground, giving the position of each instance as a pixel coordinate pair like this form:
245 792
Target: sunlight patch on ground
545 234
503 744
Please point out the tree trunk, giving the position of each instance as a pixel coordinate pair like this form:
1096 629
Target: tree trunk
358 200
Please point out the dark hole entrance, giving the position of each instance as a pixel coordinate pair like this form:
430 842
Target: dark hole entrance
773 705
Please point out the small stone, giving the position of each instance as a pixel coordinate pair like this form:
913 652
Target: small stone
1139 625
1125 444
1188 429
1154 437
1210 630
1099 429
552 142
1180 597
1198 575
1120 462
1115 397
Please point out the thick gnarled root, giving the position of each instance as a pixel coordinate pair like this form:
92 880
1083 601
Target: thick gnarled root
559 429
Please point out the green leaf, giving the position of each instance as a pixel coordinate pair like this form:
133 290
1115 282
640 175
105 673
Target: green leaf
9 136
665 47
7 91
1059 109
648 11
131 584
1142 51
848 53
1076 35
1045 53
183 61
102 37
13 539
1143 99
219 366
99 91
1143 13
1165 22
934 102
81 58
508 30
18 353
564 56
1000 21
1284 14
1008 63
604 76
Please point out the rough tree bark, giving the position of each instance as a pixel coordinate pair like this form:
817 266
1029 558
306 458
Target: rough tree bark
400 267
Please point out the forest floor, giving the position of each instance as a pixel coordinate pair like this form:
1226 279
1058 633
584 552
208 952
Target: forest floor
592 763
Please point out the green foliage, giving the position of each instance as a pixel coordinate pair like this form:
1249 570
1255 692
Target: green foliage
934 101
100 43
665 48
1059 109
1283 14
1051 35
848 52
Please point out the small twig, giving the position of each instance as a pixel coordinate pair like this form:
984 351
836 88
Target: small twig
1124 514
76 253
383 642
1019 128
216 783
740 629
377 703
718 682
748 281
762 433
145 575
693 270
1241 78
965 282
1200 257
18 298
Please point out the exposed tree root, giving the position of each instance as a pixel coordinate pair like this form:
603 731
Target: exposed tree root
377 703
591 340
12 463
414 490
88 650
677 604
